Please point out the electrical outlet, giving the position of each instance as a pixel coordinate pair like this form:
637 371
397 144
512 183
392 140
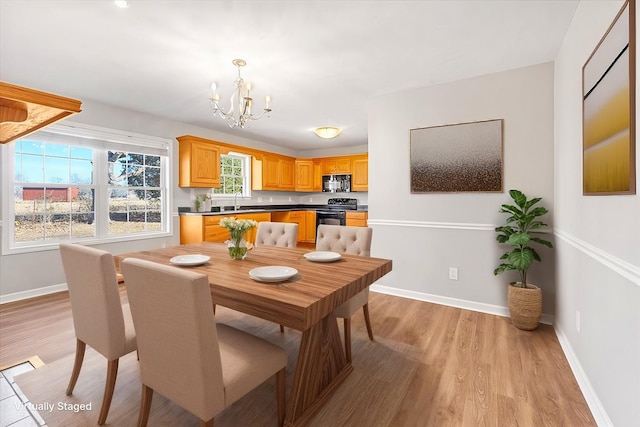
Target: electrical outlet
578 321
259 199
270 199
453 273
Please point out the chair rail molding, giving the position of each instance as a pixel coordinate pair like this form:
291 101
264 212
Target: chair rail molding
437 224
623 268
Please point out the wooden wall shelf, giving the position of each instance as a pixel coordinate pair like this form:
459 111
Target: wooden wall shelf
23 110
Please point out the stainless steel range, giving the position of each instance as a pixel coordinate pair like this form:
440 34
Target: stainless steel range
336 211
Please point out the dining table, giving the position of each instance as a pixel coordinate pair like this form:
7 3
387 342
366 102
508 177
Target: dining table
305 302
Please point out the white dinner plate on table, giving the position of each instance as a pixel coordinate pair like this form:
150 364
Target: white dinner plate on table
276 273
322 256
189 260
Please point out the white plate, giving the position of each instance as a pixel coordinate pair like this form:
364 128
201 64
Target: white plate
322 256
276 273
189 260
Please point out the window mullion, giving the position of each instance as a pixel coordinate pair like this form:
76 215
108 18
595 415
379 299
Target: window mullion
101 194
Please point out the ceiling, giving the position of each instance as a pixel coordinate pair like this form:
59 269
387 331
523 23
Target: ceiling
320 61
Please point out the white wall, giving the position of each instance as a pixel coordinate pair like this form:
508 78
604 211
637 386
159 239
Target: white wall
598 260
425 234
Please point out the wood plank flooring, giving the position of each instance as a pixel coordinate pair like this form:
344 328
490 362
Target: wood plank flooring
430 365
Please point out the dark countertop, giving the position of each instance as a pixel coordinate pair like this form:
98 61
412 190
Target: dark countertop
262 208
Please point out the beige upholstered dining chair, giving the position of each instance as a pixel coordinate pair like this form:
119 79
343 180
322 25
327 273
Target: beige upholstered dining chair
355 241
99 318
202 366
284 234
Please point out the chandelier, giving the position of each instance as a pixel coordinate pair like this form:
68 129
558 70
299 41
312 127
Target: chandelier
239 112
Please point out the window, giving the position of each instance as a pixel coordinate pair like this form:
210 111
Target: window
79 183
234 175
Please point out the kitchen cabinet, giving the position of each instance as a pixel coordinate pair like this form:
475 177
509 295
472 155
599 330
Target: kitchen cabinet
308 175
273 172
336 165
317 176
360 172
304 175
297 217
207 228
199 163
357 219
24 111
310 227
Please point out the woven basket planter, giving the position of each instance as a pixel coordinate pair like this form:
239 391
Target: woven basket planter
525 306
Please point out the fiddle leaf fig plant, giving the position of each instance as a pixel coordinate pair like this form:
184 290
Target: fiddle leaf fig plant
523 218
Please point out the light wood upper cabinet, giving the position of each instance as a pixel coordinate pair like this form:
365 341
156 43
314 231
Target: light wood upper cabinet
287 173
317 176
360 173
308 175
24 111
270 170
304 175
336 165
199 163
273 172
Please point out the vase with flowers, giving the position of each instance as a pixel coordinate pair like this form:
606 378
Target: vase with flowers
237 227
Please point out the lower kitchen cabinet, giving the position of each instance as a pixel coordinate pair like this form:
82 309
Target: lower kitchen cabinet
357 219
306 221
207 228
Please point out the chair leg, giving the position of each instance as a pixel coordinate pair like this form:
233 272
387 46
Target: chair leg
77 365
347 338
145 406
367 321
281 329
112 373
281 377
214 309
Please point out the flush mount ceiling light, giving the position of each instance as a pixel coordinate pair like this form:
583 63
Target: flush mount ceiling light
327 132
122 3
239 112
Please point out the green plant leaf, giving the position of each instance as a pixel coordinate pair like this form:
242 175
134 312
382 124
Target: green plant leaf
519 239
532 202
539 211
502 268
521 259
518 197
542 242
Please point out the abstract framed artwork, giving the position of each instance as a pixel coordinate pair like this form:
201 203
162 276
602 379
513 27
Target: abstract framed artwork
608 110
463 157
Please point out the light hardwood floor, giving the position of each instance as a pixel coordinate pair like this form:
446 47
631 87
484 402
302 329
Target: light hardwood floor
430 365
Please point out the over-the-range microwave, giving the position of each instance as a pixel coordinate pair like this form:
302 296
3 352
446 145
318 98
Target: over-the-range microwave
336 183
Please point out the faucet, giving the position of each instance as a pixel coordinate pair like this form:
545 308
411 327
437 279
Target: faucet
235 200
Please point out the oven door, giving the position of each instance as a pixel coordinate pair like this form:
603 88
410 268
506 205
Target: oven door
331 217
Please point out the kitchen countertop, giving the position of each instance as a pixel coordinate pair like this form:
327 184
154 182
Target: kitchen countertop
263 208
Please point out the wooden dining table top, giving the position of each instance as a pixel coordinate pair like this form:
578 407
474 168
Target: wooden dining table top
299 302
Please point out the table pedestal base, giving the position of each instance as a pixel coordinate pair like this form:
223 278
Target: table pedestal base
321 367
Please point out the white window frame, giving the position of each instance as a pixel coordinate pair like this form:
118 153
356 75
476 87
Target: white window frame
102 140
246 176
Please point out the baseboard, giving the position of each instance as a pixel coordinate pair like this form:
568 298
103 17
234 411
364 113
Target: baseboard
497 310
32 293
595 405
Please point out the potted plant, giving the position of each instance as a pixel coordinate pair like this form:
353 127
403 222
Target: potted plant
525 299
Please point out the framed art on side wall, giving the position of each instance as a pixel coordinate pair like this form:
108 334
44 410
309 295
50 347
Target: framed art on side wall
608 121
463 157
